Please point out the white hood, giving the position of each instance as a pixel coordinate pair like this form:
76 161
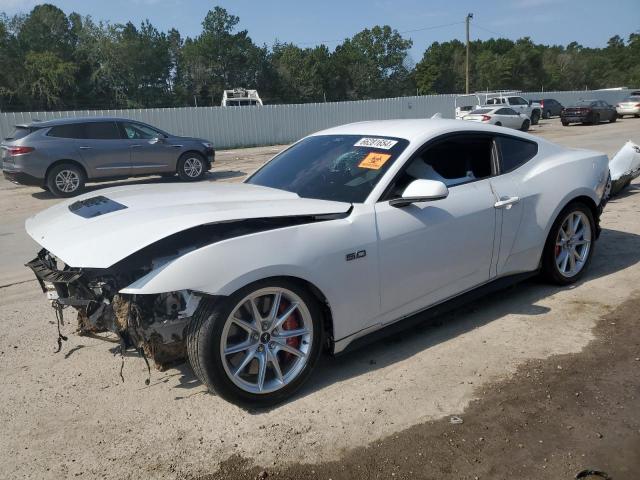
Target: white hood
154 212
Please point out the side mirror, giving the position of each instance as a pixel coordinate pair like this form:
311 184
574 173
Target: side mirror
421 191
155 140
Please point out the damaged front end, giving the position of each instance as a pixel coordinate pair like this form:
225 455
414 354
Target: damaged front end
153 325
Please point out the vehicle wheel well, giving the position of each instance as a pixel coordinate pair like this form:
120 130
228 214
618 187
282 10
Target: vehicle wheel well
60 162
191 152
588 202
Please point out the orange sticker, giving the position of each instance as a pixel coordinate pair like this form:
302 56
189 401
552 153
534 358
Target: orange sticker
374 160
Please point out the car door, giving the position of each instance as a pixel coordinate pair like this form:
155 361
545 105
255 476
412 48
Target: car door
510 199
103 151
151 150
431 251
519 104
510 118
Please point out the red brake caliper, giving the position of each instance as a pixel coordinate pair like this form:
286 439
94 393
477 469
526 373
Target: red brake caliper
291 323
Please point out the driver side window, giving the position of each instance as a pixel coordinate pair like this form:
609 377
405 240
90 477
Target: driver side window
454 161
137 131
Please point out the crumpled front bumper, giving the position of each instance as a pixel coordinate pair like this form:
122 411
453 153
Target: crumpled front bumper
163 340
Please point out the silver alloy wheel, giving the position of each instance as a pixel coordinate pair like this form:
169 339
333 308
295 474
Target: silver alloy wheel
573 244
193 167
67 181
266 340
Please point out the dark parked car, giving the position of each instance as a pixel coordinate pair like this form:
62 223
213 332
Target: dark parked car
61 155
549 106
588 111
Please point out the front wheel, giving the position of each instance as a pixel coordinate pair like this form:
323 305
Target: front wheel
569 247
258 346
191 167
525 126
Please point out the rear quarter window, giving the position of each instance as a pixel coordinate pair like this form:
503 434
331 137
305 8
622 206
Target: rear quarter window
515 152
21 132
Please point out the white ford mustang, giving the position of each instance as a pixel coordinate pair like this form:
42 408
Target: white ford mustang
345 232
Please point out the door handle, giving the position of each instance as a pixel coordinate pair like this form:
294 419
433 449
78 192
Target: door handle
506 202
84 147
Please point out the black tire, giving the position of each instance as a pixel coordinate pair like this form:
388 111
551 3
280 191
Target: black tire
535 117
498 124
191 167
44 187
205 332
565 124
525 126
596 119
635 116
550 269
73 172
613 118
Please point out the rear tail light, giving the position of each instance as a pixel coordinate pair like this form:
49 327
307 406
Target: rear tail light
542 103
486 118
14 151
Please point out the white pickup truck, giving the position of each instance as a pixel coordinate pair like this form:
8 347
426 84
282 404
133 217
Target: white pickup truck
533 110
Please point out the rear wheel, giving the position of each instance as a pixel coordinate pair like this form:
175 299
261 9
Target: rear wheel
547 114
66 180
565 124
498 124
570 244
525 126
258 346
613 118
596 119
191 167
535 117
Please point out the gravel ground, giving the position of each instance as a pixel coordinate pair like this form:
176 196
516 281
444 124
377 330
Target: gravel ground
69 414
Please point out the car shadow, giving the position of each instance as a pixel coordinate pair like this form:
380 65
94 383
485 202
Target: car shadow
615 251
211 176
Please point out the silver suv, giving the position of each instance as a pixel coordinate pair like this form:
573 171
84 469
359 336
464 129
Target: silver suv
61 155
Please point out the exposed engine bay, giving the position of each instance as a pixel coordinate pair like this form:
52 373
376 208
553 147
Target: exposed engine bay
154 325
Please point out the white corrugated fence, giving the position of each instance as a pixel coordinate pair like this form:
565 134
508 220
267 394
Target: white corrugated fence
229 127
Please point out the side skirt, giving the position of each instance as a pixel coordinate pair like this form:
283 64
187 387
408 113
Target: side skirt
431 313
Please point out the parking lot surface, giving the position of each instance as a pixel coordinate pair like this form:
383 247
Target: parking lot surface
69 414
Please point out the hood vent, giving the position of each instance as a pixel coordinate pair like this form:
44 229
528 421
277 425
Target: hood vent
95 206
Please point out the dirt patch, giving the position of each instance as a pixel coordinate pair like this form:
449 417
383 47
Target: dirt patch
553 419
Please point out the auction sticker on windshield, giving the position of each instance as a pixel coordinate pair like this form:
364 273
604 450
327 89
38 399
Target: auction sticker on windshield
374 161
383 143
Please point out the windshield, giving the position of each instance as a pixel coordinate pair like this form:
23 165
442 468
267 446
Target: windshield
343 168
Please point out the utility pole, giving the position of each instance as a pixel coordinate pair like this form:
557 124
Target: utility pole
469 17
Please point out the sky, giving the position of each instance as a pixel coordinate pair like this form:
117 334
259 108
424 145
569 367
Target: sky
589 22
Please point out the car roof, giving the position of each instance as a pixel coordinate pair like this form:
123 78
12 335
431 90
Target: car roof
69 120
418 130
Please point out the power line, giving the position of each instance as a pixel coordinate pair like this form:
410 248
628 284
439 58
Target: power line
475 24
422 29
